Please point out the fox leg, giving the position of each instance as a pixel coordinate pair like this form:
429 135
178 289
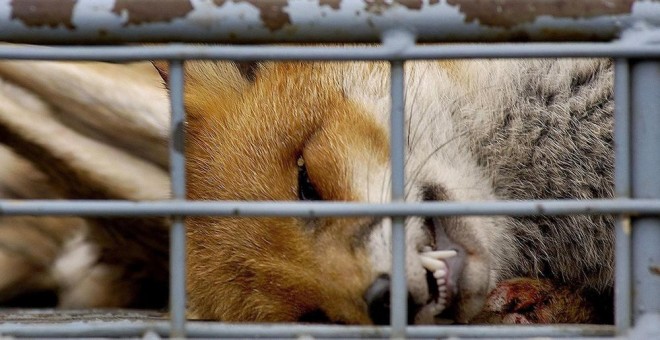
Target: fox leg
29 245
122 105
125 258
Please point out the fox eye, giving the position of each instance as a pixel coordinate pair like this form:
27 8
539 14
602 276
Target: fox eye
306 190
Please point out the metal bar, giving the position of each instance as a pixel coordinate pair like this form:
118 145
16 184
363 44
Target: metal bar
241 21
622 287
645 184
178 180
125 328
265 52
399 291
637 207
177 131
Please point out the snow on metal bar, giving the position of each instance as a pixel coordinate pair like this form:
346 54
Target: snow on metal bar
229 21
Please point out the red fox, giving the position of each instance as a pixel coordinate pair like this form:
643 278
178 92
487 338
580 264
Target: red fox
477 130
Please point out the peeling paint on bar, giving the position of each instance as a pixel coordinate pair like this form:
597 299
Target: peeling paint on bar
509 13
38 13
271 12
251 21
334 4
380 6
140 12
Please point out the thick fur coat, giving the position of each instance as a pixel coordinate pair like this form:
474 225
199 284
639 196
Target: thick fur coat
476 130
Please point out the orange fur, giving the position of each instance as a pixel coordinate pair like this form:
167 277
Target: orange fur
274 269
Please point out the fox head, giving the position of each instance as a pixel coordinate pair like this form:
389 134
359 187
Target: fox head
276 131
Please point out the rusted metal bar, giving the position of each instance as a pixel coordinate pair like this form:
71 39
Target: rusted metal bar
251 21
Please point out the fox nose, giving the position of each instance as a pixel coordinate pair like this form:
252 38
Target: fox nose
377 297
378 300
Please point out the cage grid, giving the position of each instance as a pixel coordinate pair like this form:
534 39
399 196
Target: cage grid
638 189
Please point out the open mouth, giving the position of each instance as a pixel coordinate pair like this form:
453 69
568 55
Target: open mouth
443 261
437 270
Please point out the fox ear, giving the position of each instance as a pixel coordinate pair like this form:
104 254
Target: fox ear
163 69
246 69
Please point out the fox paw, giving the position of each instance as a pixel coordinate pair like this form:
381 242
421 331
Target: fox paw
537 301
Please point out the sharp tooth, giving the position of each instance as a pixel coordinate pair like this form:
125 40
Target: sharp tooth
443 294
432 264
441 286
427 249
440 254
440 273
442 264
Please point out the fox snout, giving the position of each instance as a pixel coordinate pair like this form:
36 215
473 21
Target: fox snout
435 265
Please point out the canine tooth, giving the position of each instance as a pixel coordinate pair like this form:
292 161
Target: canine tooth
432 264
437 263
440 273
440 254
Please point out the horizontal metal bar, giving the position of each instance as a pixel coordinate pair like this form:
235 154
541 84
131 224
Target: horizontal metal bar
93 21
125 328
324 209
374 52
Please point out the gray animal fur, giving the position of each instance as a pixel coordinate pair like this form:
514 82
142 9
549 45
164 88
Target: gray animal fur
554 141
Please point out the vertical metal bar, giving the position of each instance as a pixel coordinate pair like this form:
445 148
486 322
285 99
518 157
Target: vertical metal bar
622 303
398 40
645 180
178 182
399 292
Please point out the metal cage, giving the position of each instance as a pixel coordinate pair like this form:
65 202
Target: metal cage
626 30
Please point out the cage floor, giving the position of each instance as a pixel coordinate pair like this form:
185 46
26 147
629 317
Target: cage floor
111 323
41 316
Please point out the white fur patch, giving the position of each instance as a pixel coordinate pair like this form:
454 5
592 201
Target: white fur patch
75 262
436 155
